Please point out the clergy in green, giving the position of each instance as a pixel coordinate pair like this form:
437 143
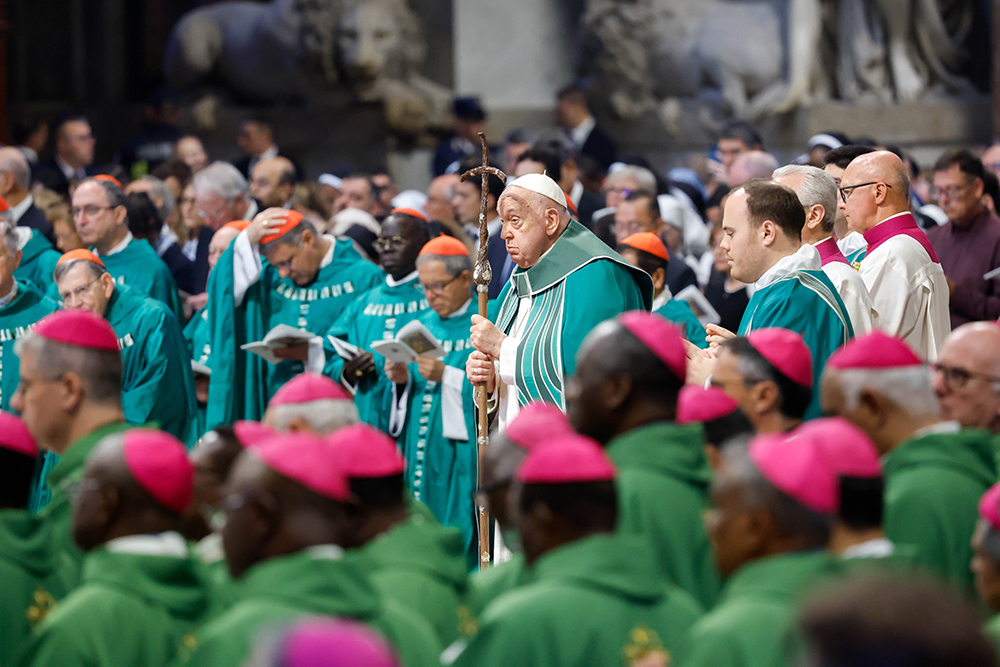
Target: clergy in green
433 402
21 305
157 383
624 395
567 281
279 271
38 258
142 589
378 315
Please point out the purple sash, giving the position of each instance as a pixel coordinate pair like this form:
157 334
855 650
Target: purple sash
829 251
901 224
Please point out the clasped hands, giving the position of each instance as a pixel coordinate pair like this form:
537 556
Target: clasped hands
487 339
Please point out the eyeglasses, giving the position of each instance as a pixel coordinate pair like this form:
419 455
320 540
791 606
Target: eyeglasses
387 244
624 192
77 293
845 192
437 288
951 192
90 210
957 377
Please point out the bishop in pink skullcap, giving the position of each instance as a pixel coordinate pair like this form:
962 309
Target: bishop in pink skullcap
308 387
797 467
333 642
537 423
786 351
15 436
989 507
569 459
79 328
848 449
159 463
365 452
249 433
697 405
874 351
306 459
662 338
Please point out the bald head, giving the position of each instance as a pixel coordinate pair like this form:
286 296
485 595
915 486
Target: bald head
967 376
751 165
220 241
272 181
876 186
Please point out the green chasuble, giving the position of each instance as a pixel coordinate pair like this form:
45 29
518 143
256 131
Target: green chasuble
753 624
577 285
139 597
16 319
436 429
242 383
680 313
32 579
487 585
992 630
38 259
138 266
807 303
596 601
933 483
662 483
198 337
318 581
422 566
375 315
157 383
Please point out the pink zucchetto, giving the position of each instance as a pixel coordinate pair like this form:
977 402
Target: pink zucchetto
847 448
537 423
786 351
662 338
989 507
697 405
306 459
874 350
797 467
15 436
306 388
569 459
365 452
79 328
159 463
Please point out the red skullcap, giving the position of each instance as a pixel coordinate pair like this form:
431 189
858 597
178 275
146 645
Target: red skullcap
648 242
81 253
446 246
292 220
109 179
411 212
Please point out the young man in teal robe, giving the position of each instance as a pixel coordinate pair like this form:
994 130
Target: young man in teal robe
102 222
279 271
935 472
68 416
434 406
158 385
566 282
289 562
378 315
646 251
762 229
598 597
142 589
38 259
663 475
419 564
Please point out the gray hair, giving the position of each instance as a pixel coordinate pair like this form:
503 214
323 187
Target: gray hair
323 416
223 179
62 268
909 388
453 264
13 162
162 192
116 196
9 235
99 370
644 177
792 517
817 187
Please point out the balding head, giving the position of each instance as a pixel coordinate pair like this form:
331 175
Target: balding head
876 186
967 376
15 174
750 165
272 181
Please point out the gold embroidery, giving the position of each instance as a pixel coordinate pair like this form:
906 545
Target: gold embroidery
44 603
466 624
645 649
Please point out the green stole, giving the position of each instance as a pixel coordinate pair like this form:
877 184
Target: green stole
542 364
38 261
16 319
139 267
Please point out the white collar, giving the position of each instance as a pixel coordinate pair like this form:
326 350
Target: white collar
160 544
661 301
461 311
939 428
325 552
5 300
67 170
580 133
575 193
24 235
121 245
405 279
328 257
270 152
880 547
806 258
16 212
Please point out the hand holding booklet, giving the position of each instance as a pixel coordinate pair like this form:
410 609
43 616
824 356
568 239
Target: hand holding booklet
279 337
413 340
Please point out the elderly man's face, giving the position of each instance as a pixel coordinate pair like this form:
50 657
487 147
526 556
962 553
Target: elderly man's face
439 196
966 378
445 293
220 241
524 227
958 194
633 217
80 289
214 209
618 188
96 222
35 400
857 199
741 240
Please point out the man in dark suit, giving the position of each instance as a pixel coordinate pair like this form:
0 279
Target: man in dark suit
15 179
74 156
573 115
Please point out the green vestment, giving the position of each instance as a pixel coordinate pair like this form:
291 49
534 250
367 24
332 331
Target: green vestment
992 631
139 267
422 566
438 433
662 492
32 575
198 337
318 581
487 585
577 285
680 313
16 319
600 600
38 261
753 624
933 484
130 609
375 315
157 383
807 303
242 383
